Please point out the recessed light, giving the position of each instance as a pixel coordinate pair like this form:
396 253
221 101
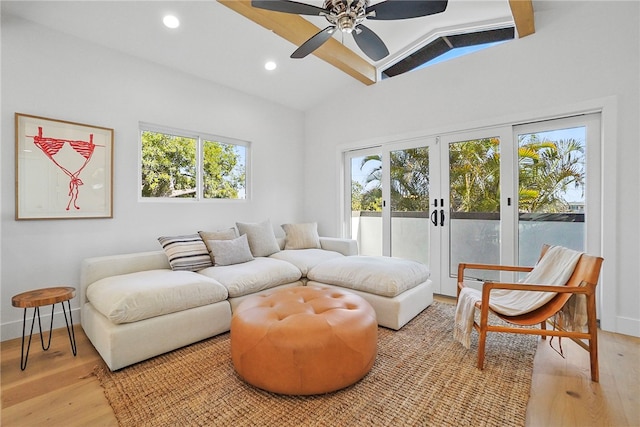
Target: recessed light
171 21
270 65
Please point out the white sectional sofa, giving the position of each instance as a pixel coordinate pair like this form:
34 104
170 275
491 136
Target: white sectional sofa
136 306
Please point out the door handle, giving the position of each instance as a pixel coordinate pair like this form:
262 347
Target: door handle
434 217
442 217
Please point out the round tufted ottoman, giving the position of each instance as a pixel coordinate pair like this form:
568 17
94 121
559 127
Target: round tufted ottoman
303 340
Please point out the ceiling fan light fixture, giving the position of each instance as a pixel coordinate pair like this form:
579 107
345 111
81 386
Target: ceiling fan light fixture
348 15
345 24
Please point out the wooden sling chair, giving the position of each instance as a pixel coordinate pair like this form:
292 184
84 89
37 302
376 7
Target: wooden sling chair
583 281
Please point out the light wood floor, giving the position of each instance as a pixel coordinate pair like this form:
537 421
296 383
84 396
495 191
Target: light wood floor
58 389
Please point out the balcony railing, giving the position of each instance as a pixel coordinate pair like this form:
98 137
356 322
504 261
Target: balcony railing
474 237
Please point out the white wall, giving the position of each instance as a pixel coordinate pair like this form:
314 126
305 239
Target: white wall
49 74
584 53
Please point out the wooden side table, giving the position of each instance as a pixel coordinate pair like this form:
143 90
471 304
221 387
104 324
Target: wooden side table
36 299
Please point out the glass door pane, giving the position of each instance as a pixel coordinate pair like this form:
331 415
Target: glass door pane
409 188
474 204
366 202
551 191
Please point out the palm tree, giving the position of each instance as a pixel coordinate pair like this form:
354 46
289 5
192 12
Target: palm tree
409 181
547 170
474 176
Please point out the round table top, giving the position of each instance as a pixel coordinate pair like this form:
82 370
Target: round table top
44 296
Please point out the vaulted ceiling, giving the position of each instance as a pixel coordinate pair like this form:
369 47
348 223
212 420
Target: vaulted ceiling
229 41
408 34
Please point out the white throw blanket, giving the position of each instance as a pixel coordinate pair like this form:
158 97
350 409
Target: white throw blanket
554 268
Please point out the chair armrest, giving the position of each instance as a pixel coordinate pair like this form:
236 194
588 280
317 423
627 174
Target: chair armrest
472 266
583 288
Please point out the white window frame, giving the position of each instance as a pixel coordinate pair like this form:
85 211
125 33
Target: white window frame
200 138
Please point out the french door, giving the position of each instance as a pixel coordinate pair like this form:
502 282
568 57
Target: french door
492 195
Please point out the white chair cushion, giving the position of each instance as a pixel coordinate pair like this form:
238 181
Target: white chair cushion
136 296
305 259
253 276
377 275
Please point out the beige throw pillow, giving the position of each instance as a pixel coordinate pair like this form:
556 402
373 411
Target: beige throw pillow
227 234
262 239
229 252
301 236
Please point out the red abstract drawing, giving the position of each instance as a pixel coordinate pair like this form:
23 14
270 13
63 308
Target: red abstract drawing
51 146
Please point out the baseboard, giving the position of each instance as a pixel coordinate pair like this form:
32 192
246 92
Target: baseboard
627 326
11 330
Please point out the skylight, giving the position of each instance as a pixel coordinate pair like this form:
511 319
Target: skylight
448 47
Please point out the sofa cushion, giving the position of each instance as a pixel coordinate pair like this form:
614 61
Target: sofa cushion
137 296
229 252
301 236
305 259
253 276
186 252
262 239
378 275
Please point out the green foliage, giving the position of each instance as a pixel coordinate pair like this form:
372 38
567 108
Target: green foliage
547 169
475 175
169 167
224 175
409 182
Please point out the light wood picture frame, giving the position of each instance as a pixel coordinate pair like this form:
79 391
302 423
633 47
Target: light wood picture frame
64 170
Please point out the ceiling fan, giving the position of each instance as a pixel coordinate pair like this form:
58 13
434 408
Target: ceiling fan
348 15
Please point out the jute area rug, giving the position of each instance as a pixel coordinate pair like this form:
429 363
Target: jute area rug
421 377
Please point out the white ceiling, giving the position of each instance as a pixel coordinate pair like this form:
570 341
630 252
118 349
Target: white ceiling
215 43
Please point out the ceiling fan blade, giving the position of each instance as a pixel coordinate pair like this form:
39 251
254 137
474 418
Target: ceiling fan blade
405 9
314 42
370 43
287 6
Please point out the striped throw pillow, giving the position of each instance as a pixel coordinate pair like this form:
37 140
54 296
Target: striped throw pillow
186 252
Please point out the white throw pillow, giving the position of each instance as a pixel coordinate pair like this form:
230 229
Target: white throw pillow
301 236
229 252
262 240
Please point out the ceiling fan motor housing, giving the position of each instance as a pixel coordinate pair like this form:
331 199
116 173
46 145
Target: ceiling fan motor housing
346 14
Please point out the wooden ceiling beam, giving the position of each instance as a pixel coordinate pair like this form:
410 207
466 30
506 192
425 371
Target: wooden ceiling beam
522 11
297 30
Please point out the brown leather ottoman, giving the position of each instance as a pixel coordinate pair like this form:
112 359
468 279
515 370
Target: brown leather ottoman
303 340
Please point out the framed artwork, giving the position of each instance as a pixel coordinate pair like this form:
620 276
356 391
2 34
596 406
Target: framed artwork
64 170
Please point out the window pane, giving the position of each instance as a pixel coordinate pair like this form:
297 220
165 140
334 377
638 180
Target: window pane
410 204
366 203
168 165
551 191
474 178
224 175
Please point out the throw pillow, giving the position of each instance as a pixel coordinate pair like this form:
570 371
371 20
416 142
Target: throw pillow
301 236
262 240
229 252
186 252
228 234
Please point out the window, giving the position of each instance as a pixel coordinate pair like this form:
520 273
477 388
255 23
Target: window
448 47
179 164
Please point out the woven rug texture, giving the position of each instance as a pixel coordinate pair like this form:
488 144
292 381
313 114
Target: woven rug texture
421 377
